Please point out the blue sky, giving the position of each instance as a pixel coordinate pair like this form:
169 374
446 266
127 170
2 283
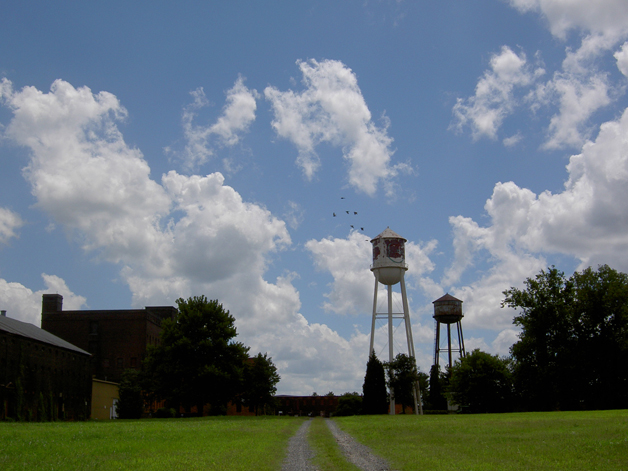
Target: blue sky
151 151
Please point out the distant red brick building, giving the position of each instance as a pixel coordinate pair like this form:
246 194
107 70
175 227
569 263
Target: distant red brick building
117 339
307 405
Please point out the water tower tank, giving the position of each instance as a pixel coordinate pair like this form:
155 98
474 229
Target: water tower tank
389 257
448 310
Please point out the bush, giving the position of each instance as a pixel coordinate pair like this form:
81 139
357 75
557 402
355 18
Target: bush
165 413
349 404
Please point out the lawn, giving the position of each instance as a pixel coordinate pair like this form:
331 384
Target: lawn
595 440
592 440
225 443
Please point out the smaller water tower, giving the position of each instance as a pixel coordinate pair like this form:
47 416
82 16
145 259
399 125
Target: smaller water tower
448 310
389 267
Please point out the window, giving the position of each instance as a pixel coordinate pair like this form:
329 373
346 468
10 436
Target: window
93 327
120 363
133 362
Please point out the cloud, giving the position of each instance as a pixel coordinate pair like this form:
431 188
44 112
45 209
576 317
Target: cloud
23 304
332 109
579 90
622 59
494 97
588 220
10 222
609 17
185 236
235 120
348 261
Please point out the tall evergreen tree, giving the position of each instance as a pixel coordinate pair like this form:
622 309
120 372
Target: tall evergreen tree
437 399
375 396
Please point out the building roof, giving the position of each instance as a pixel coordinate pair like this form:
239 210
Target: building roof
30 331
447 297
388 234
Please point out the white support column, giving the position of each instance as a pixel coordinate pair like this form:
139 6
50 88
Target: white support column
390 344
374 316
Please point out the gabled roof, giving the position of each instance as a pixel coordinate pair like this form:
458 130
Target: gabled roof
389 234
447 297
30 331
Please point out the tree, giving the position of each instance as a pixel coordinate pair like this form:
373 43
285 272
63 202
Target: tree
350 403
375 400
197 362
574 331
260 378
402 379
438 384
481 383
131 401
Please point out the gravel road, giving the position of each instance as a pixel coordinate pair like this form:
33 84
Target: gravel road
300 454
355 452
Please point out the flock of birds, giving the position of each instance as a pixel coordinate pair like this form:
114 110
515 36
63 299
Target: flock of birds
355 213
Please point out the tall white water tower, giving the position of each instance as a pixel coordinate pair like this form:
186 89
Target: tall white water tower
389 268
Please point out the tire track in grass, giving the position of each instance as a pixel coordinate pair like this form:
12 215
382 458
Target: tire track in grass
356 453
300 454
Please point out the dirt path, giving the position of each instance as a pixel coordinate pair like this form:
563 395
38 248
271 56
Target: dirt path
355 452
300 454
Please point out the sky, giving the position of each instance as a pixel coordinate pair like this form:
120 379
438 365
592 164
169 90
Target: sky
157 150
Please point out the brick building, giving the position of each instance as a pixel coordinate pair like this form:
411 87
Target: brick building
42 377
313 406
117 339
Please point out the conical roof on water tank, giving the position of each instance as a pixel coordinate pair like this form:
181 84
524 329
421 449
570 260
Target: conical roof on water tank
389 257
447 309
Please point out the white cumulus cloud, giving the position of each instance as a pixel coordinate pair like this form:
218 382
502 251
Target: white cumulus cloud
588 220
602 16
494 97
235 120
332 109
10 222
184 236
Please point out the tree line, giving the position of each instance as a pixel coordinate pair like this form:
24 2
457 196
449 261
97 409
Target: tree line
572 353
199 364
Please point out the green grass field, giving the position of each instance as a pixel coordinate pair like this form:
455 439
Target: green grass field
596 440
592 440
221 443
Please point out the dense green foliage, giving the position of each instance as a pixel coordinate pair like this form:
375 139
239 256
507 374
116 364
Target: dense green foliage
350 403
439 381
375 395
131 401
197 362
573 346
402 379
481 382
260 379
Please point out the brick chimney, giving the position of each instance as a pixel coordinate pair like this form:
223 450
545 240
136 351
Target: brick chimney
51 303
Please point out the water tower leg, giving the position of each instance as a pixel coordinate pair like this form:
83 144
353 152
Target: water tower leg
416 392
463 353
437 344
390 344
374 316
449 343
